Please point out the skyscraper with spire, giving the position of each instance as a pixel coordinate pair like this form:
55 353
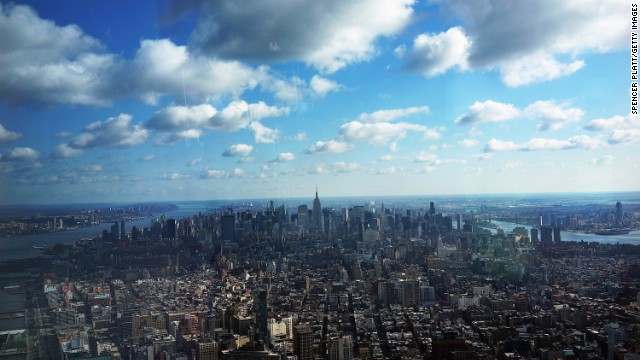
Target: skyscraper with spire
318 218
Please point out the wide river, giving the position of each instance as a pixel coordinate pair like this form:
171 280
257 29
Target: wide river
21 247
632 238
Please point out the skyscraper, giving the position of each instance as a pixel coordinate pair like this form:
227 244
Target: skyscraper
573 222
546 235
340 347
172 228
122 229
618 211
228 227
318 219
556 234
303 342
383 217
303 216
358 214
615 336
115 231
262 316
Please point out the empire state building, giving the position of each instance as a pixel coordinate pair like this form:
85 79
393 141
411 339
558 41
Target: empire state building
318 220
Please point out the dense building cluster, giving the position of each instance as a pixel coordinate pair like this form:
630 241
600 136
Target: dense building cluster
361 282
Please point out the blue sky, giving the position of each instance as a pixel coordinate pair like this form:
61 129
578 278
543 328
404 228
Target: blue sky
175 100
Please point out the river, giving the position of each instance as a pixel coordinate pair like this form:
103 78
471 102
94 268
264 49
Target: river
21 247
632 238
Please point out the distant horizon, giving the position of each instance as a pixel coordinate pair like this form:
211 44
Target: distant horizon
330 197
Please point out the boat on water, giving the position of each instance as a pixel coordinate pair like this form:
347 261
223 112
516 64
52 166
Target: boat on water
612 232
39 247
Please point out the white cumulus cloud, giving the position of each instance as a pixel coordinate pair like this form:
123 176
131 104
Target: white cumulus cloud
622 136
383 132
327 35
488 111
6 135
614 123
213 174
174 176
64 151
553 116
575 142
624 129
525 41
433 160
434 54
238 114
238 150
388 115
161 68
284 157
179 117
43 64
19 154
329 147
263 134
186 122
114 132
535 68
321 86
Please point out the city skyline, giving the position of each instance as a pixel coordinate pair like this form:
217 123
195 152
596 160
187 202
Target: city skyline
163 101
